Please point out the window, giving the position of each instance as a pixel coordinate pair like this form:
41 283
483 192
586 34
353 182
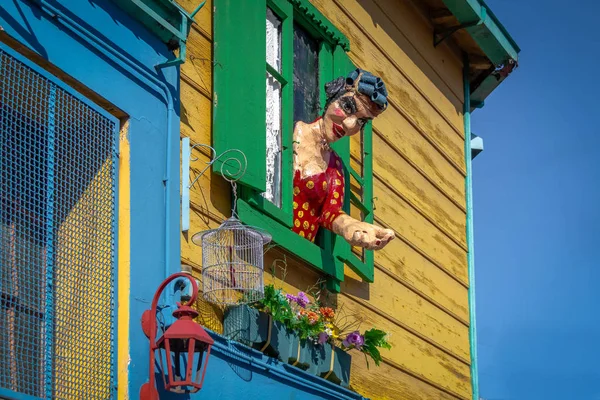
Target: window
58 168
306 76
303 51
274 108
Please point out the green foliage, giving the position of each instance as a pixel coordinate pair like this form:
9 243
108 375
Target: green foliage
375 338
275 303
310 320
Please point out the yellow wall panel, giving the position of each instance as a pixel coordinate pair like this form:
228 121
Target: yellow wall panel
387 24
413 187
398 215
387 382
403 96
413 354
410 267
203 19
406 308
197 66
420 290
406 140
195 114
415 30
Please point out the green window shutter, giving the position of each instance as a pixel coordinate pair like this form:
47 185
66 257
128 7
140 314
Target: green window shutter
363 266
239 98
284 214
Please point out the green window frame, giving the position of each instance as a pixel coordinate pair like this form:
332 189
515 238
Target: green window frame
239 121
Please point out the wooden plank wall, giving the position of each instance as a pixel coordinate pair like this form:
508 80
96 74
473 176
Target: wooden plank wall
421 281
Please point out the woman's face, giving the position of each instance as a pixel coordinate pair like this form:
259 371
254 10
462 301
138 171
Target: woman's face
347 116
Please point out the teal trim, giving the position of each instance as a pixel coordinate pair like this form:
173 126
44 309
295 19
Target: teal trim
500 26
166 19
11 395
470 240
50 322
489 33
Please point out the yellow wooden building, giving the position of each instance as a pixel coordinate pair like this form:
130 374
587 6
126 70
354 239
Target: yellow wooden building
95 97
434 56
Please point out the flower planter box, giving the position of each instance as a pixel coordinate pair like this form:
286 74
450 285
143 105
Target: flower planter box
245 324
254 328
327 361
286 343
339 372
316 356
295 354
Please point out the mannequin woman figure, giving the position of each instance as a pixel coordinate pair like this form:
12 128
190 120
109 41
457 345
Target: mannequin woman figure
318 172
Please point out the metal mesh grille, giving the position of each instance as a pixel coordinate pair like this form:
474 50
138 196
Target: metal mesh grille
57 239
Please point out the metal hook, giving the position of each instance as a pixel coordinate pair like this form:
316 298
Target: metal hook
232 169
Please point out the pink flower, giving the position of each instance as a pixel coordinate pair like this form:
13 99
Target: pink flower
291 298
354 339
302 299
323 338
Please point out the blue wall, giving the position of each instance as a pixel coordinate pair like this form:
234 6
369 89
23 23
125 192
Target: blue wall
236 370
135 87
145 104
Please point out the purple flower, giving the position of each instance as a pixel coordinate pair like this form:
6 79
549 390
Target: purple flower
291 298
302 299
323 337
354 339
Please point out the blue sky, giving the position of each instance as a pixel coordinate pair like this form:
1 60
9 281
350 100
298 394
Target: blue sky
537 218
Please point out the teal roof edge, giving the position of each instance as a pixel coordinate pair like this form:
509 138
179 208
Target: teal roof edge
501 27
488 33
493 39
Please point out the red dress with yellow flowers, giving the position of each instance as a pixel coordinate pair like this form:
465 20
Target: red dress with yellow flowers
318 199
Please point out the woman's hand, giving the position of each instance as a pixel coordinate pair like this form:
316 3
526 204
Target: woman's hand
362 234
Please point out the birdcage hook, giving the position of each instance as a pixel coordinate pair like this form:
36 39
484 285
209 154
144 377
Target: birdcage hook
233 168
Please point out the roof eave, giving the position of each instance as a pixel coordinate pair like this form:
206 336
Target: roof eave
490 35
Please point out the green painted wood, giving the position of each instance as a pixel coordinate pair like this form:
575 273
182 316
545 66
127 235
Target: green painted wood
327 239
284 214
239 84
319 258
342 250
239 105
319 25
369 256
276 75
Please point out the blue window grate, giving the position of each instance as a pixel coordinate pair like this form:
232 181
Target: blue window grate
58 175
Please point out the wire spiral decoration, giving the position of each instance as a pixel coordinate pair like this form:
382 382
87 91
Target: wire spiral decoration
230 175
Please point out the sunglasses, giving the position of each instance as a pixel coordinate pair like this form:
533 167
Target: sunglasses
348 104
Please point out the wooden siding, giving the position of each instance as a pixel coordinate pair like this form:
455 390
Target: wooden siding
420 290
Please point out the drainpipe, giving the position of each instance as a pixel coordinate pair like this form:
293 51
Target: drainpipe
136 70
470 240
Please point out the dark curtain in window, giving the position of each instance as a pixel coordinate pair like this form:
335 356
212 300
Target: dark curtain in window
306 76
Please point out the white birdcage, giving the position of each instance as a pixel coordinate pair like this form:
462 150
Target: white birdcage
232 262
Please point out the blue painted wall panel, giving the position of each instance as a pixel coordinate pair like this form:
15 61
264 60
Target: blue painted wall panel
147 108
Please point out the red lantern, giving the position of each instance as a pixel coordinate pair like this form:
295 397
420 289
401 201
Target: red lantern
184 347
